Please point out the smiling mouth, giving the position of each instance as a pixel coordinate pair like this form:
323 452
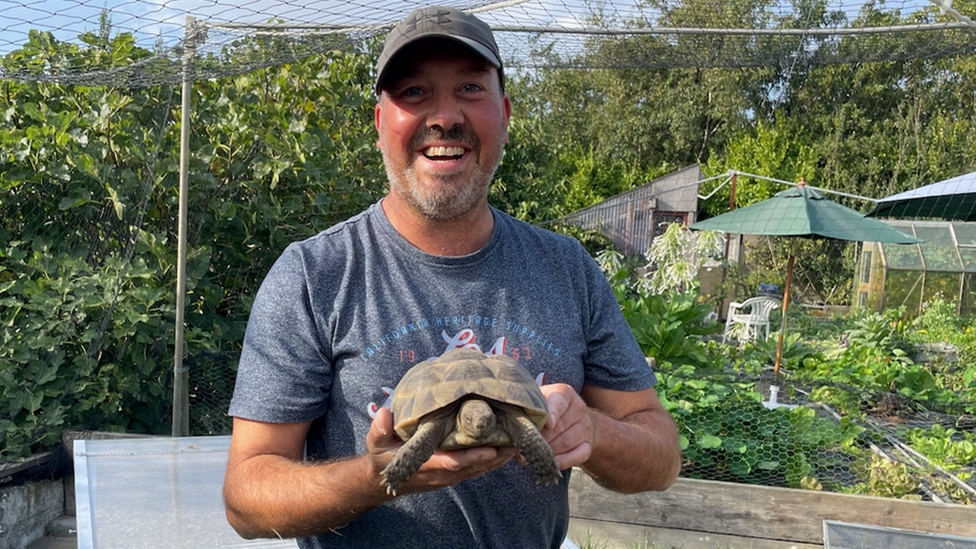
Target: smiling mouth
444 153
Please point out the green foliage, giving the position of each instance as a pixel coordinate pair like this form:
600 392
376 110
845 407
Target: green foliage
779 148
666 326
888 479
675 258
78 346
939 322
530 182
885 332
88 202
950 449
726 432
762 352
821 330
872 372
664 310
876 360
85 283
591 178
282 155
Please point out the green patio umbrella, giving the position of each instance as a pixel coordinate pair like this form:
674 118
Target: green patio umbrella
802 212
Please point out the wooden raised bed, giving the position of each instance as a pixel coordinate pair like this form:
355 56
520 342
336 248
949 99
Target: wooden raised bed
704 514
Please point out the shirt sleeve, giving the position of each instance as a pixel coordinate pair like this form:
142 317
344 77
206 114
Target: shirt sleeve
285 373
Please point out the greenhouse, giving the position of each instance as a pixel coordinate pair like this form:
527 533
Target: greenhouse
944 265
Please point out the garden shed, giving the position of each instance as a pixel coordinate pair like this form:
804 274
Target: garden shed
632 219
944 265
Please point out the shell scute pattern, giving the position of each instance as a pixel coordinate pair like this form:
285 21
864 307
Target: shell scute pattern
436 384
464 399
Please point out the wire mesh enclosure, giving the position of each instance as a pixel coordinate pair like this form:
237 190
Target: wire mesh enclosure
170 41
821 434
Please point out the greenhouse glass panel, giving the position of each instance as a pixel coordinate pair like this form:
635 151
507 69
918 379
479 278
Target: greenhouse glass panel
967 306
968 259
966 237
938 250
965 233
902 256
866 267
943 265
941 285
903 288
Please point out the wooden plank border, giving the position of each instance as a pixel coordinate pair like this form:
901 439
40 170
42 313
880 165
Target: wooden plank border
598 534
764 512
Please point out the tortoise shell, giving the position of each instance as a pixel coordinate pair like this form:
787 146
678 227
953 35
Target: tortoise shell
435 385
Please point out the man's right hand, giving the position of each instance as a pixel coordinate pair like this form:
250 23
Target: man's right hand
444 468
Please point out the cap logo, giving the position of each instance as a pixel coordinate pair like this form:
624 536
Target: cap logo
440 18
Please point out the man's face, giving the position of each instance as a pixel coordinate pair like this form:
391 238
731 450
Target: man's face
443 123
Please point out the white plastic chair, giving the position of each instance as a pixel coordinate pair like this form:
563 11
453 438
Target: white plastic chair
747 320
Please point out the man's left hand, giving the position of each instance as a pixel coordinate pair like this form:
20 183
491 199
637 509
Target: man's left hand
570 430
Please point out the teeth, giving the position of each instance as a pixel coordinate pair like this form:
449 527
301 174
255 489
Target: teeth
444 151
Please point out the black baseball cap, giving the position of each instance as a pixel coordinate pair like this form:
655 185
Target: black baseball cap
439 22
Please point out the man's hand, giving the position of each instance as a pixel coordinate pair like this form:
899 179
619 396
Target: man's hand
270 491
444 468
569 431
625 440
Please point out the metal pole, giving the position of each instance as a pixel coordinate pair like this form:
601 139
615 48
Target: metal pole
181 377
729 295
731 207
786 302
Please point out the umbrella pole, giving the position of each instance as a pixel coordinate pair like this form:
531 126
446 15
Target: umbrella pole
782 325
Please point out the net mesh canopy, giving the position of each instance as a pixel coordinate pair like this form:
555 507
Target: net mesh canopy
167 39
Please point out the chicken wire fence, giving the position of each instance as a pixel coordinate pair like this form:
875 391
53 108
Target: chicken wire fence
757 428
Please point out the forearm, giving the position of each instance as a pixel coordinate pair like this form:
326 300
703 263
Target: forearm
273 496
634 454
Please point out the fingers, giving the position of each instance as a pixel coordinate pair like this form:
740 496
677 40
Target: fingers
570 430
381 437
444 468
470 462
447 468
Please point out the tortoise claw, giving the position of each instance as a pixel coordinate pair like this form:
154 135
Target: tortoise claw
549 478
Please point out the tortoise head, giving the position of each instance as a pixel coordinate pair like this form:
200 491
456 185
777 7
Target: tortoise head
475 419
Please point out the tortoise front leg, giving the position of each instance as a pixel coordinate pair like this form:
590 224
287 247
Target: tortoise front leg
532 446
412 455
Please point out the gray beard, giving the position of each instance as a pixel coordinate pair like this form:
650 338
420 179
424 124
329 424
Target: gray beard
446 205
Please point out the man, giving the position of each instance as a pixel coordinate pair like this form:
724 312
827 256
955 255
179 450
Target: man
431 267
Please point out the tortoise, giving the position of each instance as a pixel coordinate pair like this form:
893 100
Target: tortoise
463 399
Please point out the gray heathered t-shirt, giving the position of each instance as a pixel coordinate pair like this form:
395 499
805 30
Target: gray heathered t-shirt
341 316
